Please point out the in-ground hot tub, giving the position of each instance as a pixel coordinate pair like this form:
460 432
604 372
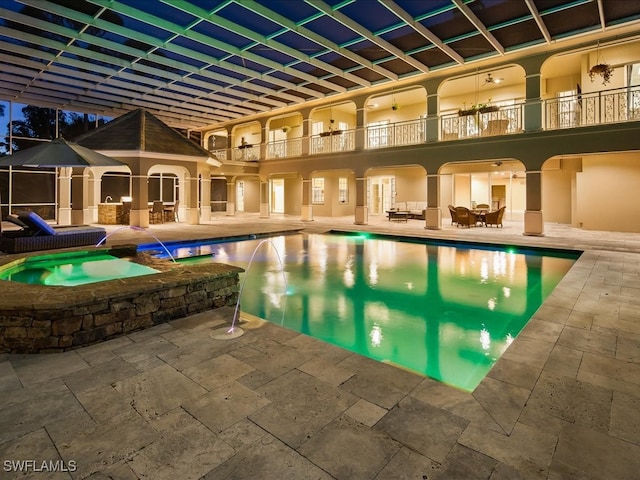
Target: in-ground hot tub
51 318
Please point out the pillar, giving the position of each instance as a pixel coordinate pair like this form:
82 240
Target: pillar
265 211
80 196
95 184
64 196
205 197
533 221
362 213
139 215
191 213
306 210
231 197
433 215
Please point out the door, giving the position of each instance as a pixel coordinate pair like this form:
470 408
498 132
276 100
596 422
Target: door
277 195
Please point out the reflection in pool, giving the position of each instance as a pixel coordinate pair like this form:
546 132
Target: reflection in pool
72 269
447 311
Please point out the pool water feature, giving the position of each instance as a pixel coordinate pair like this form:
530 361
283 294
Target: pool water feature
447 311
71 269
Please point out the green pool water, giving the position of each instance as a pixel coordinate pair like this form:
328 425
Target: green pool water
70 270
444 311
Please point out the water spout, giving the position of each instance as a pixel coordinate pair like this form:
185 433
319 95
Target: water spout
133 227
231 331
108 199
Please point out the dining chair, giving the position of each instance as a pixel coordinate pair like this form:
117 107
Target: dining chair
156 214
171 214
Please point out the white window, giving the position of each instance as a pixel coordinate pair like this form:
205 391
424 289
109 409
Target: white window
317 190
343 190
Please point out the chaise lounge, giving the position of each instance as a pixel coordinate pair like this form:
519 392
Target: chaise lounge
36 234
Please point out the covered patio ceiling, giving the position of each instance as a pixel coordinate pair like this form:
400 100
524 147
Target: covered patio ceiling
194 63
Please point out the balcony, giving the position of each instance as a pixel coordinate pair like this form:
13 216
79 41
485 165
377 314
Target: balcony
246 153
410 132
596 108
284 148
333 142
482 123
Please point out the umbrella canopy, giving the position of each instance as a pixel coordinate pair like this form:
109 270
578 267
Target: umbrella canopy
59 153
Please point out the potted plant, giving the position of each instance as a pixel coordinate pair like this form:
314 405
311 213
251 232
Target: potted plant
464 111
395 106
602 69
285 128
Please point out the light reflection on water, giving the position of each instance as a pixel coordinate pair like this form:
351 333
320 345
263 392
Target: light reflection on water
444 311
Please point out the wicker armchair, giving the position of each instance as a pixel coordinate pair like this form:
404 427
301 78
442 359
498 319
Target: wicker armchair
465 217
494 218
452 211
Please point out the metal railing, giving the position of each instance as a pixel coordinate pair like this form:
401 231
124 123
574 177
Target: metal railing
482 123
410 132
246 153
284 148
606 106
220 154
334 141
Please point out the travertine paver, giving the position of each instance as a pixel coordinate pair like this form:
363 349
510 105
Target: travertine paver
172 402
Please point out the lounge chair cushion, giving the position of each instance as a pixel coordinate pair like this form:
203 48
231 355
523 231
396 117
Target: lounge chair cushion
36 223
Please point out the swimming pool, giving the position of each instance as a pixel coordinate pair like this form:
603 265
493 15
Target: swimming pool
71 269
447 311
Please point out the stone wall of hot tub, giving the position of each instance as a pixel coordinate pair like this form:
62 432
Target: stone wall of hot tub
38 319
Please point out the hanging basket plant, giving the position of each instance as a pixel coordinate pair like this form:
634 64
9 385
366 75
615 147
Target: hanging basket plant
602 69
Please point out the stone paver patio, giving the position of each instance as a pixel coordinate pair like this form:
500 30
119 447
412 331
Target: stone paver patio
172 402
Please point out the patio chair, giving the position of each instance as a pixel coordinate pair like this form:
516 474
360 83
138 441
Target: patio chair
37 234
494 218
171 213
452 211
156 214
465 217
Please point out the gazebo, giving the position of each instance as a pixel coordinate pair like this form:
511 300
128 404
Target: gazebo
146 146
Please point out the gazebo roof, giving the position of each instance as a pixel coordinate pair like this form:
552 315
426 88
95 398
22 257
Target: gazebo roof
139 130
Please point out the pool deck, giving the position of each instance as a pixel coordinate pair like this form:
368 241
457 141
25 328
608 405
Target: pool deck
172 402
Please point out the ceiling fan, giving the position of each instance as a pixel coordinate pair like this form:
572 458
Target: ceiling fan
494 80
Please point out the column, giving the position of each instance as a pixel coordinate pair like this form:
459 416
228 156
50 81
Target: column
80 196
139 215
231 197
94 197
362 213
205 197
306 210
533 221
433 120
433 110
533 102
433 215
265 211
360 125
191 213
64 196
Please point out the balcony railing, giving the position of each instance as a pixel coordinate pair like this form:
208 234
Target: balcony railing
284 148
246 153
606 106
395 134
220 154
332 142
502 121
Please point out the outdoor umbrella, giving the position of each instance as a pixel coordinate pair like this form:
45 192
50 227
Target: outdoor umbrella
58 153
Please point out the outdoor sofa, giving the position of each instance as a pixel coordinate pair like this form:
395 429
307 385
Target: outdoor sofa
416 209
36 234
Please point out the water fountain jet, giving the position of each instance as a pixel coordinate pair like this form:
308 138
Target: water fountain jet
136 228
235 331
